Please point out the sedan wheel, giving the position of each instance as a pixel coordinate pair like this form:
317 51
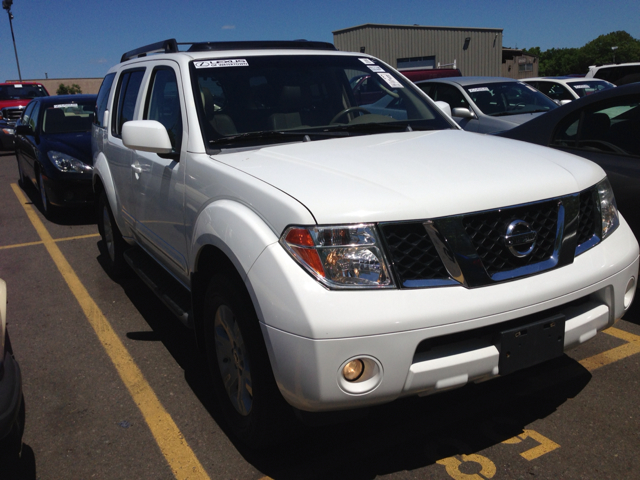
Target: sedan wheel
46 206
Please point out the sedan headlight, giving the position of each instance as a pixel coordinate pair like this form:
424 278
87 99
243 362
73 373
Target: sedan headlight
608 208
9 131
344 256
67 163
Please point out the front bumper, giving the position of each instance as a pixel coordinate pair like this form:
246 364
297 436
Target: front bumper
10 394
311 333
69 192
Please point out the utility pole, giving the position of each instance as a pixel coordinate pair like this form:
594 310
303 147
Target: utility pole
6 4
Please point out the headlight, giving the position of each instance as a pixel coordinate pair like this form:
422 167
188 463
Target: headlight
9 131
67 163
608 208
345 256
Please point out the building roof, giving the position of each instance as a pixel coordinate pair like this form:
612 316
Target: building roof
417 27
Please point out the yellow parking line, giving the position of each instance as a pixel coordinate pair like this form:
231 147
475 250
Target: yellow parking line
170 440
66 239
610 356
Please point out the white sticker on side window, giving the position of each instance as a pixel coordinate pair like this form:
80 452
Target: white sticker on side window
376 68
66 105
391 81
580 86
366 61
479 89
236 62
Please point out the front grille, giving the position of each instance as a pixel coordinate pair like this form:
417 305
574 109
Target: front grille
587 217
487 231
12 113
471 249
412 252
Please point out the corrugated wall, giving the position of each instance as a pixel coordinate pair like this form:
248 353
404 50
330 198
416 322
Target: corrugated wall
483 55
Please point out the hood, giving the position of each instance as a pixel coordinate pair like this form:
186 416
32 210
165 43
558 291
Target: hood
515 120
414 175
15 103
78 145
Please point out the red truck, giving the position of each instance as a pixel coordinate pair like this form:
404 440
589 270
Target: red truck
14 97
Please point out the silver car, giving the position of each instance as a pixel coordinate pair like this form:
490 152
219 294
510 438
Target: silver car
488 104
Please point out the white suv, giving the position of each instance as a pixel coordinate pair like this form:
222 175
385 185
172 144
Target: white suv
330 258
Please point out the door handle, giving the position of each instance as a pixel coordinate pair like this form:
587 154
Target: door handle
137 169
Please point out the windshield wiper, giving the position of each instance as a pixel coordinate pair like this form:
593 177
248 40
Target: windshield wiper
504 114
303 135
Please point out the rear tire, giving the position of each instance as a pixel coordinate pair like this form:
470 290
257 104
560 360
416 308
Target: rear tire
239 364
113 245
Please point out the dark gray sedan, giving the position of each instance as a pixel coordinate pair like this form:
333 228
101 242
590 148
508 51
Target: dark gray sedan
603 127
488 104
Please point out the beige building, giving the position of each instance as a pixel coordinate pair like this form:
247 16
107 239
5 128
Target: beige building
87 85
475 51
518 65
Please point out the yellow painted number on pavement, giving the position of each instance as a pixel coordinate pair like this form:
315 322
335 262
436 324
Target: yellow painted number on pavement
452 465
545 446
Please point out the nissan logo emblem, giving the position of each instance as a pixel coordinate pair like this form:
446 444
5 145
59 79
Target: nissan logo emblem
520 238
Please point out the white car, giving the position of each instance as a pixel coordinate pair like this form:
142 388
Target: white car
331 258
563 90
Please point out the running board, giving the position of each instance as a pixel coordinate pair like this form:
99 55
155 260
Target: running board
175 296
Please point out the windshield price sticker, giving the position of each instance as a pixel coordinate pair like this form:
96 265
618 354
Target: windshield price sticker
391 81
366 61
376 68
66 105
479 89
236 62
580 86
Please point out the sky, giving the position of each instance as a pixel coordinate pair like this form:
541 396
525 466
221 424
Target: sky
84 38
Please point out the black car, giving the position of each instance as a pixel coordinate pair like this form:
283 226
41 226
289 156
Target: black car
603 127
53 149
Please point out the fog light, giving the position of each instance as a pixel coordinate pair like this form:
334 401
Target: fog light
353 370
630 292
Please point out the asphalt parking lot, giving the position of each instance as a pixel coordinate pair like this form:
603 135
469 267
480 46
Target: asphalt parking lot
114 389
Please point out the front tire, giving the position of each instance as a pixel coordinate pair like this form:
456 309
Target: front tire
47 208
113 245
240 366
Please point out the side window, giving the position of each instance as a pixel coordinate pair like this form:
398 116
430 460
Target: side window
103 98
451 95
33 119
163 104
554 91
608 127
128 88
26 115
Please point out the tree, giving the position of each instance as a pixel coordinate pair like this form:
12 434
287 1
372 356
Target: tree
68 90
564 61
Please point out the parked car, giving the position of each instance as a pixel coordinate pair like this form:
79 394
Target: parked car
565 89
14 97
488 104
12 414
331 258
619 73
604 128
53 149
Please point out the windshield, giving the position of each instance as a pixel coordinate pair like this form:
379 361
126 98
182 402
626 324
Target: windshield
587 87
68 117
274 98
18 91
508 98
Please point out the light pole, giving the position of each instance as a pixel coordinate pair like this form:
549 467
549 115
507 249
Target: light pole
614 53
6 4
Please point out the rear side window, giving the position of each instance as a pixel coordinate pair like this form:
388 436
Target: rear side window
103 98
125 101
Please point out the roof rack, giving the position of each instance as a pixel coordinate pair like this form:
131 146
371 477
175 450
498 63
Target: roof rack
260 45
171 46
166 46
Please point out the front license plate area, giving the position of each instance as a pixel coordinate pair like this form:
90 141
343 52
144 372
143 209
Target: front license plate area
531 344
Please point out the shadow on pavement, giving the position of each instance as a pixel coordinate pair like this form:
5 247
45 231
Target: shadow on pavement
23 468
85 215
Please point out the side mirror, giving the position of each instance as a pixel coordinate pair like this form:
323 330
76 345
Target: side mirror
445 107
463 113
146 135
24 130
